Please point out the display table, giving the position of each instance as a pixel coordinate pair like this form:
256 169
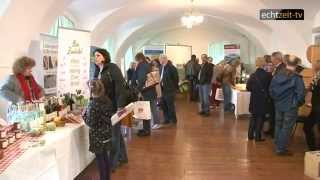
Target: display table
64 155
240 99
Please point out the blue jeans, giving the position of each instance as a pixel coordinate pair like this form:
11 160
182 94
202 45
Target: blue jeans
284 124
154 112
227 94
118 150
204 91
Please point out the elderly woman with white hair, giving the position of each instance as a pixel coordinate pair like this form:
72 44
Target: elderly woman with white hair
21 85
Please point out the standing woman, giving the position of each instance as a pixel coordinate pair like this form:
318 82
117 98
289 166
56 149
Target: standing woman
21 86
114 85
148 93
258 85
97 116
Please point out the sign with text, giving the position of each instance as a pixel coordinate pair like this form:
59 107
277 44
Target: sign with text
49 61
74 61
231 49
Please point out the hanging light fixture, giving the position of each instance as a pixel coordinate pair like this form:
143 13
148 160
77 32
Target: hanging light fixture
190 19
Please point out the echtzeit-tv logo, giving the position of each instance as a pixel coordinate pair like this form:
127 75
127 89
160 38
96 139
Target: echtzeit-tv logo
281 14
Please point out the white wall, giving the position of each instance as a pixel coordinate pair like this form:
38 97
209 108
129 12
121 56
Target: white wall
200 37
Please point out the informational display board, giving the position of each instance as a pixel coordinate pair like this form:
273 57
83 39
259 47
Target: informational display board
178 54
49 57
45 52
231 49
74 61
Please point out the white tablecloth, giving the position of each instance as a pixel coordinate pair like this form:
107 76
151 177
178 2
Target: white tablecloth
241 100
63 157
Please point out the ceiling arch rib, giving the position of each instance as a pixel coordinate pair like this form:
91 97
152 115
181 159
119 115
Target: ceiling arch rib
167 24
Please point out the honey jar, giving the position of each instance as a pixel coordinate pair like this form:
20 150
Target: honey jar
4 143
11 138
3 133
1 154
18 134
17 126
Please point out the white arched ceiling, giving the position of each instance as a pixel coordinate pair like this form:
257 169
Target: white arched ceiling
23 20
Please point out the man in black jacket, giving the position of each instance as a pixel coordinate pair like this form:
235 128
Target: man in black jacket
204 79
169 80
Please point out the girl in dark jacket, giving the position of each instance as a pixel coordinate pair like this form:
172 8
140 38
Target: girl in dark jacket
258 85
97 116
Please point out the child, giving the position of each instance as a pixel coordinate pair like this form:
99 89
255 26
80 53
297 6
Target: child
287 92
97 116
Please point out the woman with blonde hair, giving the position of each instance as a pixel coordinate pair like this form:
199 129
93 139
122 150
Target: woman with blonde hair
258 85
21 85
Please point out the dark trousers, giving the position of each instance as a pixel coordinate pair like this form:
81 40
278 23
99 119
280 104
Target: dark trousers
255 126
272 119
309 132
102 160
118 150
168 107
193 92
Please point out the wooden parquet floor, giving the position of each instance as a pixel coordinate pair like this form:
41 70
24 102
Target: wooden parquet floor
213 148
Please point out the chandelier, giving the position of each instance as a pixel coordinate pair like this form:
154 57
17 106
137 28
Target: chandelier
190 19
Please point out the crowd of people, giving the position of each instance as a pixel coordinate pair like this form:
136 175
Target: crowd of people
276 86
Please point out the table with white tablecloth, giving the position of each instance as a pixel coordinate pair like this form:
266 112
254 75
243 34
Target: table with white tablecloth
240 100
64 155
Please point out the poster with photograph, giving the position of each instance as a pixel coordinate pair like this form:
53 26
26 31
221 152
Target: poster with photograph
49 63
74 61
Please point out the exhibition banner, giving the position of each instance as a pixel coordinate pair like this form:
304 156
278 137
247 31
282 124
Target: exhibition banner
74 61
49 63
231 49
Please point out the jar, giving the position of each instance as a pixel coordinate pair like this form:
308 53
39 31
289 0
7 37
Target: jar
1 154
4 143
18 134
3 133
11 138
17 126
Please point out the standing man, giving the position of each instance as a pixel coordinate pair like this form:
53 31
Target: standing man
279 66
169 81
204 79
191 75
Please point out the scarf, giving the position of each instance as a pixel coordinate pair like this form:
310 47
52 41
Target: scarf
28 95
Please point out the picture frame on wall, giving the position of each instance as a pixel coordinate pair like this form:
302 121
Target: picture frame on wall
316 38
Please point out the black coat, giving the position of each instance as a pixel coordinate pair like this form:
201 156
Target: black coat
114 84
170 80
258 85
140 77
206 73
97 116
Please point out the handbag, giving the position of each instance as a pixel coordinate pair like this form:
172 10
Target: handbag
151 80
219 95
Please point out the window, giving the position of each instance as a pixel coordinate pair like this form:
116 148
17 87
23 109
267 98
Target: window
61 22
3 6
216 51
128 58
108 45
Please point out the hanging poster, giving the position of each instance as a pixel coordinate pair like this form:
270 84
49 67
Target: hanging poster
74 61
231 49
49 61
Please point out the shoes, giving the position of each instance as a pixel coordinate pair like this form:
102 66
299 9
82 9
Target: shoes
201 113
284 153
206 114
143 133
156 126
260 140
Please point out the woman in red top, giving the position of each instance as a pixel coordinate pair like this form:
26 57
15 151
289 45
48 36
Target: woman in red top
21 85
